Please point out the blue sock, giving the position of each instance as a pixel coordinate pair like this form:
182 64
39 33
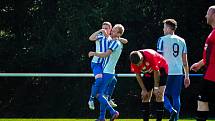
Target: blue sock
167 104
111 87
104 105
91 95
176 104
95 88
102 112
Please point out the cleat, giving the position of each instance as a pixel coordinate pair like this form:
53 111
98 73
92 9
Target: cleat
91 105
173 115
114 116
112 103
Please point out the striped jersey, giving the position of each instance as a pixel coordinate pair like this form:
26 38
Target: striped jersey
101 46
110 62
172 47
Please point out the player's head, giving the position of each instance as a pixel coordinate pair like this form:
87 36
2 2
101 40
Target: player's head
170 26
107 26
136 58
117 31
210 16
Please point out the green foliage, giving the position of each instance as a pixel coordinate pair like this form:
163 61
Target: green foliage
52 36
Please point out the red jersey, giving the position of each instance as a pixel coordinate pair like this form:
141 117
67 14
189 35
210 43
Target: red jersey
152 61
209 56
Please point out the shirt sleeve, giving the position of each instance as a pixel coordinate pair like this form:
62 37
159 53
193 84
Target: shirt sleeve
184 50
100 36
113 45
160 45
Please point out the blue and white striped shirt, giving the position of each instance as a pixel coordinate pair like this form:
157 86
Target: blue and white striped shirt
110 62
102 44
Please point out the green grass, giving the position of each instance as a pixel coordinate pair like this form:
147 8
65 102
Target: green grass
20 119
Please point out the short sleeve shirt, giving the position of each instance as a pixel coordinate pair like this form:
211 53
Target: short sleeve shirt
152 61
209 56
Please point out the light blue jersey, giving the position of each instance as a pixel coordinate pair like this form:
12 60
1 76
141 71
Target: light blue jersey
172 47
110 62
101 46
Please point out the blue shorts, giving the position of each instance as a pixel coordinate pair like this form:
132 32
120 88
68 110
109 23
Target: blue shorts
174 85
107 78
96 68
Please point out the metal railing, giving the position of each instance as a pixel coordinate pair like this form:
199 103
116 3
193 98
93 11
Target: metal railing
67 75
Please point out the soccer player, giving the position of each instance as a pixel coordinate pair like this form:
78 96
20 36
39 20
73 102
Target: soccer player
101 38
155 70
111 58
207 87
174 50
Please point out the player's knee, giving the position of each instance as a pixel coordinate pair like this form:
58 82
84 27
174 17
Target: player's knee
203 106
159 98
98 76
145 98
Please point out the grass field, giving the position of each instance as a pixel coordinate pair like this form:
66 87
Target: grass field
13 119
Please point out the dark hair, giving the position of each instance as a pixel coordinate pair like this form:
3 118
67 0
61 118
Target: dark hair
171 23
134 58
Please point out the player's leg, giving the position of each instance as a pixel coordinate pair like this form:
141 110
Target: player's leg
206 95
170 87
109 91
145 108
146 96
160 96
160 103
103 101
168 93
177 84
97 71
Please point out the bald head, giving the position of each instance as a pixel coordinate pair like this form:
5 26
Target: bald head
210 16
212 8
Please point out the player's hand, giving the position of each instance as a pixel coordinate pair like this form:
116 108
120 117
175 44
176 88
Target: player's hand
104 32
195 67
91 53
186 82
144 95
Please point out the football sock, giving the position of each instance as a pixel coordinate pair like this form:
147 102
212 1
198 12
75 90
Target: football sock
105 105
201 115
145 111
159 110
96 85
167 103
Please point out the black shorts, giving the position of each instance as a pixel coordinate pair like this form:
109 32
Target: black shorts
206 91
148 79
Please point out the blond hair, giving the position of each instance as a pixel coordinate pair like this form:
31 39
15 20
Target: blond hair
120 27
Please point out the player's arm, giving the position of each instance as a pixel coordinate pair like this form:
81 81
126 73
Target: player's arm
100 54
186 70
93 37
196 66
123 40
140 81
